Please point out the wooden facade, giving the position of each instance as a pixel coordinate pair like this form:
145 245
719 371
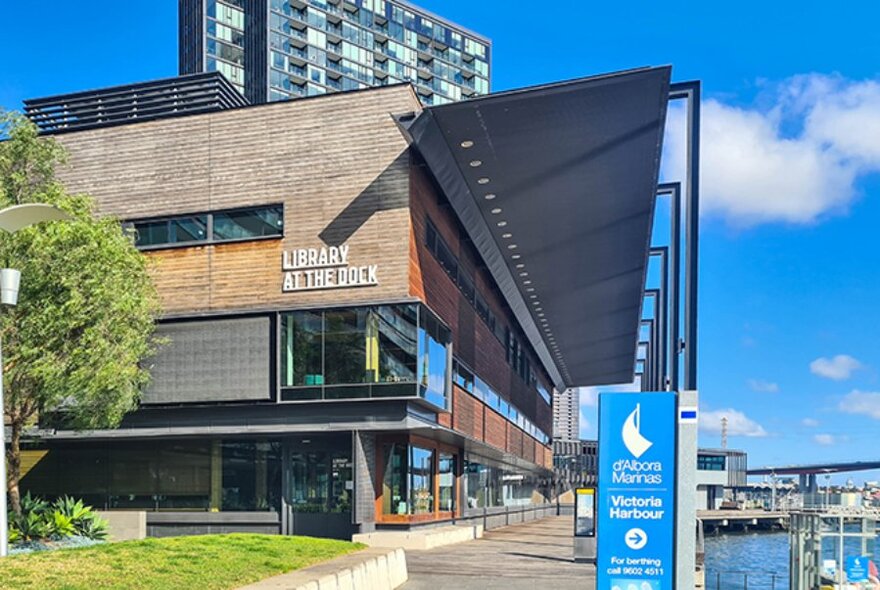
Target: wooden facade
338 164
343 172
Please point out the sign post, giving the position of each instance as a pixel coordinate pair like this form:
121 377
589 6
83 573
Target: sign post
637 483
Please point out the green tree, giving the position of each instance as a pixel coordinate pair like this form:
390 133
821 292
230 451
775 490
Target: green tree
74 347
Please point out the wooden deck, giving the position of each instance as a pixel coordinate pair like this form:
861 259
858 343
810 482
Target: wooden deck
534 555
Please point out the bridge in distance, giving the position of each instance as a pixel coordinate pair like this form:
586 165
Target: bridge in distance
808 472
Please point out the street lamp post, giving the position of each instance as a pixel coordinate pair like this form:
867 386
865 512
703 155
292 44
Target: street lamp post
13 219
9 282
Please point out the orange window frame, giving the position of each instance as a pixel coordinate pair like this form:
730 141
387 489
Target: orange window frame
425 443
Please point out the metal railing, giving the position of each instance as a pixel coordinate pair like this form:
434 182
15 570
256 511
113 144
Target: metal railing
746 580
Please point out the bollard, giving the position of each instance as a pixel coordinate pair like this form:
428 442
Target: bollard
718 581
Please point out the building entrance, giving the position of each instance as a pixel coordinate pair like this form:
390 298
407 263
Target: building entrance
318 490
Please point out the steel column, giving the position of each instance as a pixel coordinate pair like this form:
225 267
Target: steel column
673 190
690 91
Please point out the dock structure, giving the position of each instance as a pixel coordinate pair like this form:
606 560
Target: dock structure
720 521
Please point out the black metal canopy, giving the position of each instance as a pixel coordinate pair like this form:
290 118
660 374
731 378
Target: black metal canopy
555 185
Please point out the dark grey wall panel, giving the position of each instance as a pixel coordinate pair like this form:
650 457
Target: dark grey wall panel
212 360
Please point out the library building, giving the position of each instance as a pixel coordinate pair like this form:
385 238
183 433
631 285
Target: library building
367 303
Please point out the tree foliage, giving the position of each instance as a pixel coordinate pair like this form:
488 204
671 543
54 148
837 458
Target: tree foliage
77 340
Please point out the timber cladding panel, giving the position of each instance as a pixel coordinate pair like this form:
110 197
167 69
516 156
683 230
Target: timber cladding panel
468 414
475 344
339 165
495 430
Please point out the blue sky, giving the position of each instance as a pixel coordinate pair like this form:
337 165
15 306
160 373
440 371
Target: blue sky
789 271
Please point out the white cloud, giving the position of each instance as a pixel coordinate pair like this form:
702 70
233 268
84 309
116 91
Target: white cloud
824 439
761 386
810 422
793 157
738 424
588 400
837 368
585 425
866 403
589 396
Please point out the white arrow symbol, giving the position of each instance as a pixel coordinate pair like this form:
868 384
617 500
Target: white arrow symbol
636 538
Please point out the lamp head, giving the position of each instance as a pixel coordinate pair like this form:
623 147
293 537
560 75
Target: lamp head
9 282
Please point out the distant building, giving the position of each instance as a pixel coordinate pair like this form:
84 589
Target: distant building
576 462
283 49
719 473
566 414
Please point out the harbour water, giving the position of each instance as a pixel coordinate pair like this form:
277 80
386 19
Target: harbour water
760 561
756 561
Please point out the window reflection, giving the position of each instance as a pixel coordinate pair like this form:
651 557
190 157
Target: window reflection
446 473
364 352
302 346
248 223
229 475
320 482
408 480
434 360
395 491
422 480
488 485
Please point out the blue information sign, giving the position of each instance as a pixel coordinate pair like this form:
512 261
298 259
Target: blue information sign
636 520
857 568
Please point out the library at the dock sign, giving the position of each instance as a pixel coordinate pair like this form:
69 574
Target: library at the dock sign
314 269
636 508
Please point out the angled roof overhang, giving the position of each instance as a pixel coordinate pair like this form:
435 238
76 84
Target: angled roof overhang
573 168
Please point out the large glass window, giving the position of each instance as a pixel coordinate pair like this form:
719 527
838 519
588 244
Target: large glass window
487 485
251 475
350 346
408 480
395 491
421 472
434 360
350 353
446 485
302 341
396 343
168 475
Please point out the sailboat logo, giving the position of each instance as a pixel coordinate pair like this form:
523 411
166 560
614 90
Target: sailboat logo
632 438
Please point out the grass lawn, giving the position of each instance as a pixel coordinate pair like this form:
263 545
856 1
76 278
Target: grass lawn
210 562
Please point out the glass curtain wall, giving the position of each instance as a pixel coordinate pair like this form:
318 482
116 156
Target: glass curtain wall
227 475
380 351
495 485
434 360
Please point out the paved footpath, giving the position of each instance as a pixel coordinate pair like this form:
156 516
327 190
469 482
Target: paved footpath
528 556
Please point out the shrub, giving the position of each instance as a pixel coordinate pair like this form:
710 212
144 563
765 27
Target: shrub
85 522
32 526
66 517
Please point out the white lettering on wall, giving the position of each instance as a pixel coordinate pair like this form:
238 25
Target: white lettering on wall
312 269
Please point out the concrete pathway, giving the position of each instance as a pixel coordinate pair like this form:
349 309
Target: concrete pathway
528 556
